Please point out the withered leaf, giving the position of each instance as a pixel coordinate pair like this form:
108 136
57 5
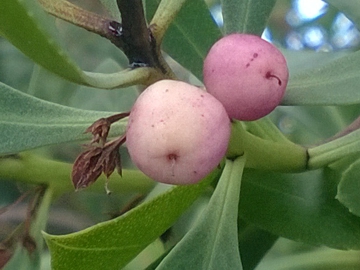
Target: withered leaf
101 127
111 156
100 130
85 171
90 164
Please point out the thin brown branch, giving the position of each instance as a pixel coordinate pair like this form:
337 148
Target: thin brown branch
28 241
20 199
71 13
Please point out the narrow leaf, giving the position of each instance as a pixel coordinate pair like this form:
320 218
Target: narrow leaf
349 188
254 243
112 8
246 16
27 122
28 28
112 244
213 241
301 207
326 85
22 261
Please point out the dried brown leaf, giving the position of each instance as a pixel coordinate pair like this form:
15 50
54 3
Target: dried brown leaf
84 170
100 130
90 164
101 127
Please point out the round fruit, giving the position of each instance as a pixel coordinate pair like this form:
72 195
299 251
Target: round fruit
177 133
247 74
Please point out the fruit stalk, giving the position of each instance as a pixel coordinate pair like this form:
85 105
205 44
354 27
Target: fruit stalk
264 154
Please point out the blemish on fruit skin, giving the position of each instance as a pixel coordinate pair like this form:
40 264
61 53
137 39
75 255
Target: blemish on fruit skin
172 158
268 76
255 55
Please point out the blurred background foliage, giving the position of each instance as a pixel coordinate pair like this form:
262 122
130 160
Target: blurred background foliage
296 25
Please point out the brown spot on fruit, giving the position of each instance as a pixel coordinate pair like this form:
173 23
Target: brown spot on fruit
269 76
172 157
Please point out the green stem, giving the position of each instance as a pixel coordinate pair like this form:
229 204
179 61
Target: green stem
123 78
163 17
33 169
332 151
265 129
266 154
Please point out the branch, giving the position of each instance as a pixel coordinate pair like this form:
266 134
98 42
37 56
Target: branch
34 169
141 47
73 14
164 16
133 36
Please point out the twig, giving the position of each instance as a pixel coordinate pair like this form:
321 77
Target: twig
71 13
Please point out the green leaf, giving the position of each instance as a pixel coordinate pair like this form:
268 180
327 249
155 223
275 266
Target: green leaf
27 27
316 259
27 122
301 207
300 61
191 34
254 243
246 16
334 150
22 261
112 8
32 31
112 244
351 8
349 188
334 83
47 86
212 243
